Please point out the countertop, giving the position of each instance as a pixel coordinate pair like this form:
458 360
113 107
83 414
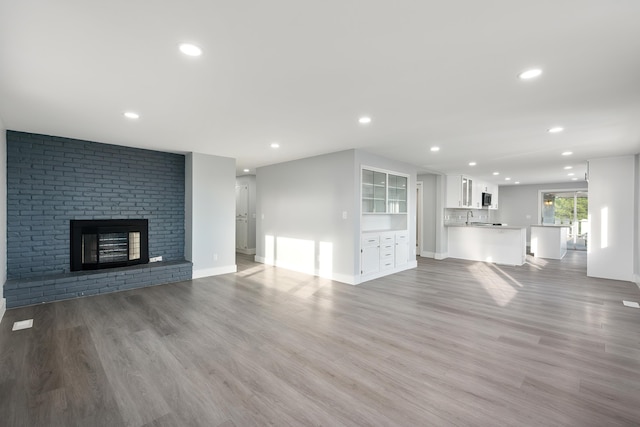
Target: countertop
551 225
500 227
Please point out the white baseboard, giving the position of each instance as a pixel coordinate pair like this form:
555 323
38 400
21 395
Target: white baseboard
379 274
338 277
250 251
636 279
206 272
3 307
441 255
427 254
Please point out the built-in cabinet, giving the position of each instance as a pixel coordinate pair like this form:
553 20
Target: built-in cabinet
466 192
384 246
385 251
383 192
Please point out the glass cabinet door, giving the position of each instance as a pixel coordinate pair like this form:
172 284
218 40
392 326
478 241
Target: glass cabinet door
383 193
374 191
397 194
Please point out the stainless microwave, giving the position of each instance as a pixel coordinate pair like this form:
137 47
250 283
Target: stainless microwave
486 199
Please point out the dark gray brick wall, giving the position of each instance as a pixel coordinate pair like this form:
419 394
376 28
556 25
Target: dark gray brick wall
47 288
52 180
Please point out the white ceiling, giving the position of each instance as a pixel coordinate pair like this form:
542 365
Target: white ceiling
302 72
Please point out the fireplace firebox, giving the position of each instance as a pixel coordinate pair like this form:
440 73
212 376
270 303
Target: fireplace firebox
97 244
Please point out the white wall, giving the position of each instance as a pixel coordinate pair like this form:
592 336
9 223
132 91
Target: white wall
250 182
519 203
611 211
300 224
210 205
3 216
637 217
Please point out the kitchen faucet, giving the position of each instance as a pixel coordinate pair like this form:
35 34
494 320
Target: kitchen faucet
469 213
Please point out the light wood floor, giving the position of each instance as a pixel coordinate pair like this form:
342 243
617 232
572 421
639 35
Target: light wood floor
449 343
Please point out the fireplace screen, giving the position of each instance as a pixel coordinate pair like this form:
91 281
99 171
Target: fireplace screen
108 243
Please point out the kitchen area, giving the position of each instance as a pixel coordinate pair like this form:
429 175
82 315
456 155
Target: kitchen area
473 229
476 229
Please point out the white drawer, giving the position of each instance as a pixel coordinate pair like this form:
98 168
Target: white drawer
402 237
370 241
386 253
386 238
387 264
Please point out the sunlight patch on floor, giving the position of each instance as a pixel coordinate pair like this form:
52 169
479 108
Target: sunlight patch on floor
497 287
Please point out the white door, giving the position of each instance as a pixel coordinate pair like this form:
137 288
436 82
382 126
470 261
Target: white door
370 260
242 212
402 249
241 233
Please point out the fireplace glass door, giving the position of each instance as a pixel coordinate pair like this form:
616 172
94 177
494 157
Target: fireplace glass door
108 243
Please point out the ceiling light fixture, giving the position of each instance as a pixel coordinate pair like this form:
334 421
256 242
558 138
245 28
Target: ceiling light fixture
245 170
275 145
364 120
517 182
472 163
190 49
556 129
131 115
530 74
568 167
567 153
574 179
496 173
507 179
571 174
434 149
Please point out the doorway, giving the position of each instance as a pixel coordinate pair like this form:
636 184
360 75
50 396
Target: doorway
570 208
419 196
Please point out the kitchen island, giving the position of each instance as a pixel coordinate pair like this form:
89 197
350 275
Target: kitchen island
549 241
489 243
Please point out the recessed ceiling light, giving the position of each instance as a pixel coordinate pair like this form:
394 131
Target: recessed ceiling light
131 115
190 49
567 153
568 167
275 145
364 120
556 129
245 170
507 179
574 179
496 173
472 163
517 182
571 174
530 74
434 149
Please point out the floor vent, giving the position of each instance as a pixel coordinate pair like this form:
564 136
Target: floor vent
22 324
631 304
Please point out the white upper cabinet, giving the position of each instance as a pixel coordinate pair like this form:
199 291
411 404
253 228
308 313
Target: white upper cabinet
384 192
374 191
466 192
493 189
454 191
460 191
397 194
